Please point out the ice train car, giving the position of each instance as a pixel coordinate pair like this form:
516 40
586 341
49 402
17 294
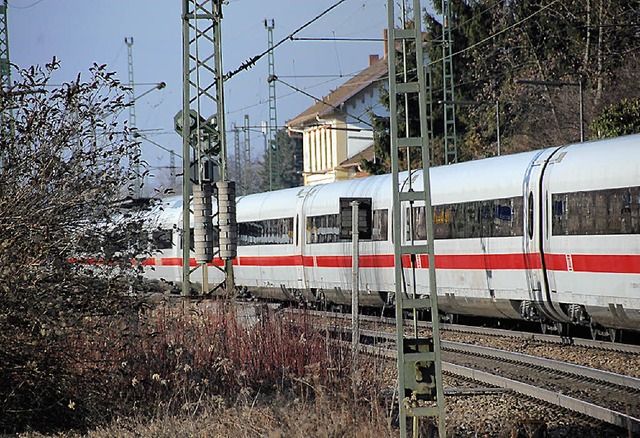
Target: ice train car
551 235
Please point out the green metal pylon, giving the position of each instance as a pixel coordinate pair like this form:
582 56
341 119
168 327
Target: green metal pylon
449 108
420 385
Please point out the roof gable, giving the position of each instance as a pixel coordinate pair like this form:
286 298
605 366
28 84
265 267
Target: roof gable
342 94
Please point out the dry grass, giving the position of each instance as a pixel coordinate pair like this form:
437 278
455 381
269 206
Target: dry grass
208 371
279 415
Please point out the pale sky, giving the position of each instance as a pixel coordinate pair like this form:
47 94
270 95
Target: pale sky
80 32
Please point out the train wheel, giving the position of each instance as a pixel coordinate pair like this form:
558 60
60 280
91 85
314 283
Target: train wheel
599 332
448 318
554 327
545 328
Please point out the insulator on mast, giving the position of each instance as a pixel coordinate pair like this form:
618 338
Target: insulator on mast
203 235
227 225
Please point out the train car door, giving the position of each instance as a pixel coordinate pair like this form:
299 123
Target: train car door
534 230
546 213
301 242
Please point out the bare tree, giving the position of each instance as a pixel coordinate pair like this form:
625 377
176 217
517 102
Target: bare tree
66 246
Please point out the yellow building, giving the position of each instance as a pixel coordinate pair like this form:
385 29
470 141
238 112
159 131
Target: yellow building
336 132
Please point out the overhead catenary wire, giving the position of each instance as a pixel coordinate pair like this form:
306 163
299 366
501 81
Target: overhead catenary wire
263 102
251 61
25 7
434 62
490 37
323 102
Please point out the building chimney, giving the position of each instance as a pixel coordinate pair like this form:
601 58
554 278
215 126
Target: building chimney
373 59
385 44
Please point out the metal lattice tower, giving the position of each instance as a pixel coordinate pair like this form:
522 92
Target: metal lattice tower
5 71
428 77
273 114
420 386
202 124
132 95
449 108
172 168
246 155
5 66
237 154
133 124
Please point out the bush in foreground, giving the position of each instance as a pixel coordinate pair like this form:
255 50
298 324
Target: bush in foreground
170 364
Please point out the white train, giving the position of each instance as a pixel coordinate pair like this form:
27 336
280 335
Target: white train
551 235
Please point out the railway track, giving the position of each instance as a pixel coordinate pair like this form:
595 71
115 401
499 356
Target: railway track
488 331
609 397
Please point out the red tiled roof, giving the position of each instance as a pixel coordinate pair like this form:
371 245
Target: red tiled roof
340 95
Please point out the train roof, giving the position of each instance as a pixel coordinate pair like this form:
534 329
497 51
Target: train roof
489 178
591 165
269 205
597 163
165 213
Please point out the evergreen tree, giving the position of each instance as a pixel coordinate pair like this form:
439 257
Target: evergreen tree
619 119
286 163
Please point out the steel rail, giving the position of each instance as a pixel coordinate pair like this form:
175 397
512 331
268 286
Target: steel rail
609 416
554 339
551 364
591 410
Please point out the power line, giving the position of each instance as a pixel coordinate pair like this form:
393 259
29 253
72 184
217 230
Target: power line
336 39
262 102
251 61
490 37
316 76
322 101
496 4
385 77
26 7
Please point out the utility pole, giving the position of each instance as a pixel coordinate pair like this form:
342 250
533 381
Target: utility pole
273 115
203 92
419 358
133 124
449 110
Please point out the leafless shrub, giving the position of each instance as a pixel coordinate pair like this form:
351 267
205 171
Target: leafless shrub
65 263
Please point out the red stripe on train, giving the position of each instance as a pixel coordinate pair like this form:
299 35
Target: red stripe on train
495 261
627 264
609 263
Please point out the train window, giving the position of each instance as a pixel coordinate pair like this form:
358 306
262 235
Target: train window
489 218
380 225
161 239
597 212
326 228
323 229
266 232
443 221
419 225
